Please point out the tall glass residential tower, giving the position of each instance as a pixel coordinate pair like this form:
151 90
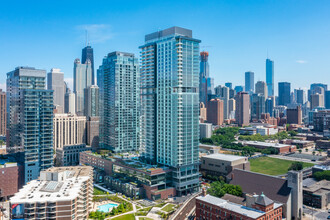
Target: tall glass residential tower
270 76
170 104
118 81
30 120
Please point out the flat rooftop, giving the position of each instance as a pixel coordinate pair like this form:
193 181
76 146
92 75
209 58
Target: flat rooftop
237 208
321 187
51 190
266 144
226 157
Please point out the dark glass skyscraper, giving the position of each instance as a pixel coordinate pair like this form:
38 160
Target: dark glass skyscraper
87 54
249 82
284 91
270 76
206 83
229 85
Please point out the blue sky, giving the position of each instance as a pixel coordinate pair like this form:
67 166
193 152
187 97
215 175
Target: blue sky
237 34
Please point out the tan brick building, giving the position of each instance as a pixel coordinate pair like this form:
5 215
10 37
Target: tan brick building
60 193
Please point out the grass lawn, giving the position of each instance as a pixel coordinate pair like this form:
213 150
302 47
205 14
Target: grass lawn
168 208
272 166
98 192
125 217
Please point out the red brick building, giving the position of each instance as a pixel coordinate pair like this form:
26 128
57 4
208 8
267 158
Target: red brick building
257 208
215 112
11 178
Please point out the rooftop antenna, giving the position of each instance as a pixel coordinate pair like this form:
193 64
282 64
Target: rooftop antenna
267 54
86 36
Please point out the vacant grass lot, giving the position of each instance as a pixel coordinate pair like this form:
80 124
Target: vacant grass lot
272 166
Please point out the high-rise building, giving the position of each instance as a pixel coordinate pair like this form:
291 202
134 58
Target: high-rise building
70 102
269 105
231 108
60 193
317 88
239 89
69 129
203 76
317 100
270 76
229 85
284 91
249 82
170 104
118 80
87 55
294 115
232 93
242 113
202 112
215 112
257 106
82 78
3 116
327 99
92 101
93 132
261 88
300 96
218 91
30 120
55 82
225 98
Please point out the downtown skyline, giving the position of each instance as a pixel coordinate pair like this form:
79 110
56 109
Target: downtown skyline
229 37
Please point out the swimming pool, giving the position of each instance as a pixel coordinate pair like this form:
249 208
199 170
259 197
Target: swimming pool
106 207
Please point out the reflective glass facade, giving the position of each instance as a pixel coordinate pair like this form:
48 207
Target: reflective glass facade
118 81
270 77
30 120
170 104
82 78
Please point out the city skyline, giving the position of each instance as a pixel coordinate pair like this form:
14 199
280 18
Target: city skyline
299 60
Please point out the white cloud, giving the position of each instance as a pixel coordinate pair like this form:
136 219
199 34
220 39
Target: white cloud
3 86
97 33
301 61
69 81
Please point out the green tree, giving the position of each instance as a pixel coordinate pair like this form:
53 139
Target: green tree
296 166
322 175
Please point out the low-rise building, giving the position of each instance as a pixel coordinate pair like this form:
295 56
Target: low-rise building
323 144
282 148
101 164
205 130
298 143
214 208
69 155
208 149
130 176
316 194
247 131
60 193
285 191
222 164
321 120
